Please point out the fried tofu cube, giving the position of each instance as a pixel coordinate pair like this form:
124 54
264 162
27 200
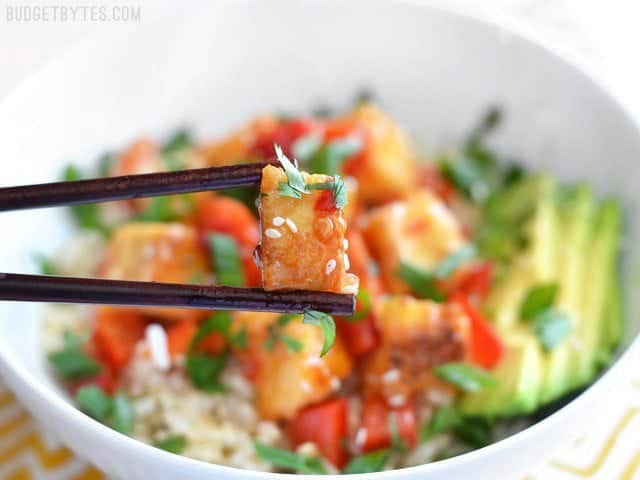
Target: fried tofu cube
416 335
386 169
420 231
302 244
286 380
157 252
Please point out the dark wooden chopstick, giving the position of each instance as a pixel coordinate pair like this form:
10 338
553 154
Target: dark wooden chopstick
41 288
129 187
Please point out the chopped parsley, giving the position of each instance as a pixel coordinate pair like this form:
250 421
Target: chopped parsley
174 444
473 431
296 185
326 324
227 264
550 325
368 463
72 362
466 377
276 334
115 411
290 460
421 282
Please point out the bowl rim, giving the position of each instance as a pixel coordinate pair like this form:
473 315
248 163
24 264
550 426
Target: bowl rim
71 415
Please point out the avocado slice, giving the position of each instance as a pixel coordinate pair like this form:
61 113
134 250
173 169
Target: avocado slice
575 208
519 374
614 311
593 330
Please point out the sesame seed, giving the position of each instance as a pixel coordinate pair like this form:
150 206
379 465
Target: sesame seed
345 244
331 266
278 221
157 342
391 376
335 383
347 263
305 386
397 400
342 222
361 437
292 226
272 233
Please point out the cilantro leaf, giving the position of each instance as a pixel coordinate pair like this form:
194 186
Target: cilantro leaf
227 264
464 376
421 283
122 414
368 463
446 267
72 363
205 370
329 158
94 402
276 335
180 140
86 216
551 326
443 419
175 444
295 179
290 460
363 306
474 431
538 299
47 267
158 210
326 324
489 122
304 147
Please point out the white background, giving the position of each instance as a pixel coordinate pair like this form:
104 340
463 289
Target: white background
603 34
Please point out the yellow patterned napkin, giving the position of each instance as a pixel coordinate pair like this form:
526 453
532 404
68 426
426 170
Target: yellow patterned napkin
610 450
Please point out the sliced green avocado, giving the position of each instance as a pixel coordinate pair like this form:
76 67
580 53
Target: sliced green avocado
614 311
575 208
519 374
593 330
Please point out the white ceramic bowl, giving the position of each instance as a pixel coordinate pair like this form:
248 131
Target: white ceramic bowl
213 66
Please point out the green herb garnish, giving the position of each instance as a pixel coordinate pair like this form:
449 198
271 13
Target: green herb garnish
326 324
158 210
46 266
94 402
73 363
226 260
175 444
296 185
304 147
474 431
551 326
465 376
363 306
489 122
85 216
180 140
276 335
116 412
338 190
122 420
368 463
290 460
329 158
446 267
538 299
421 282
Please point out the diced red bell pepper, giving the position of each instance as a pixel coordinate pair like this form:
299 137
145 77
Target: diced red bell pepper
324 424
486 346
218 214
376 419
325 203
429 177
477 281
360 337
116 333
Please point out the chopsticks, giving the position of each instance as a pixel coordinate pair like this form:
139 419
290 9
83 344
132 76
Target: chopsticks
41 288
54 289
129 187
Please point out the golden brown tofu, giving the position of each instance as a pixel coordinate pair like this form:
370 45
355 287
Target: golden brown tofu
158 252
302 243
420 231
416 335
287 381
387 169
236 148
